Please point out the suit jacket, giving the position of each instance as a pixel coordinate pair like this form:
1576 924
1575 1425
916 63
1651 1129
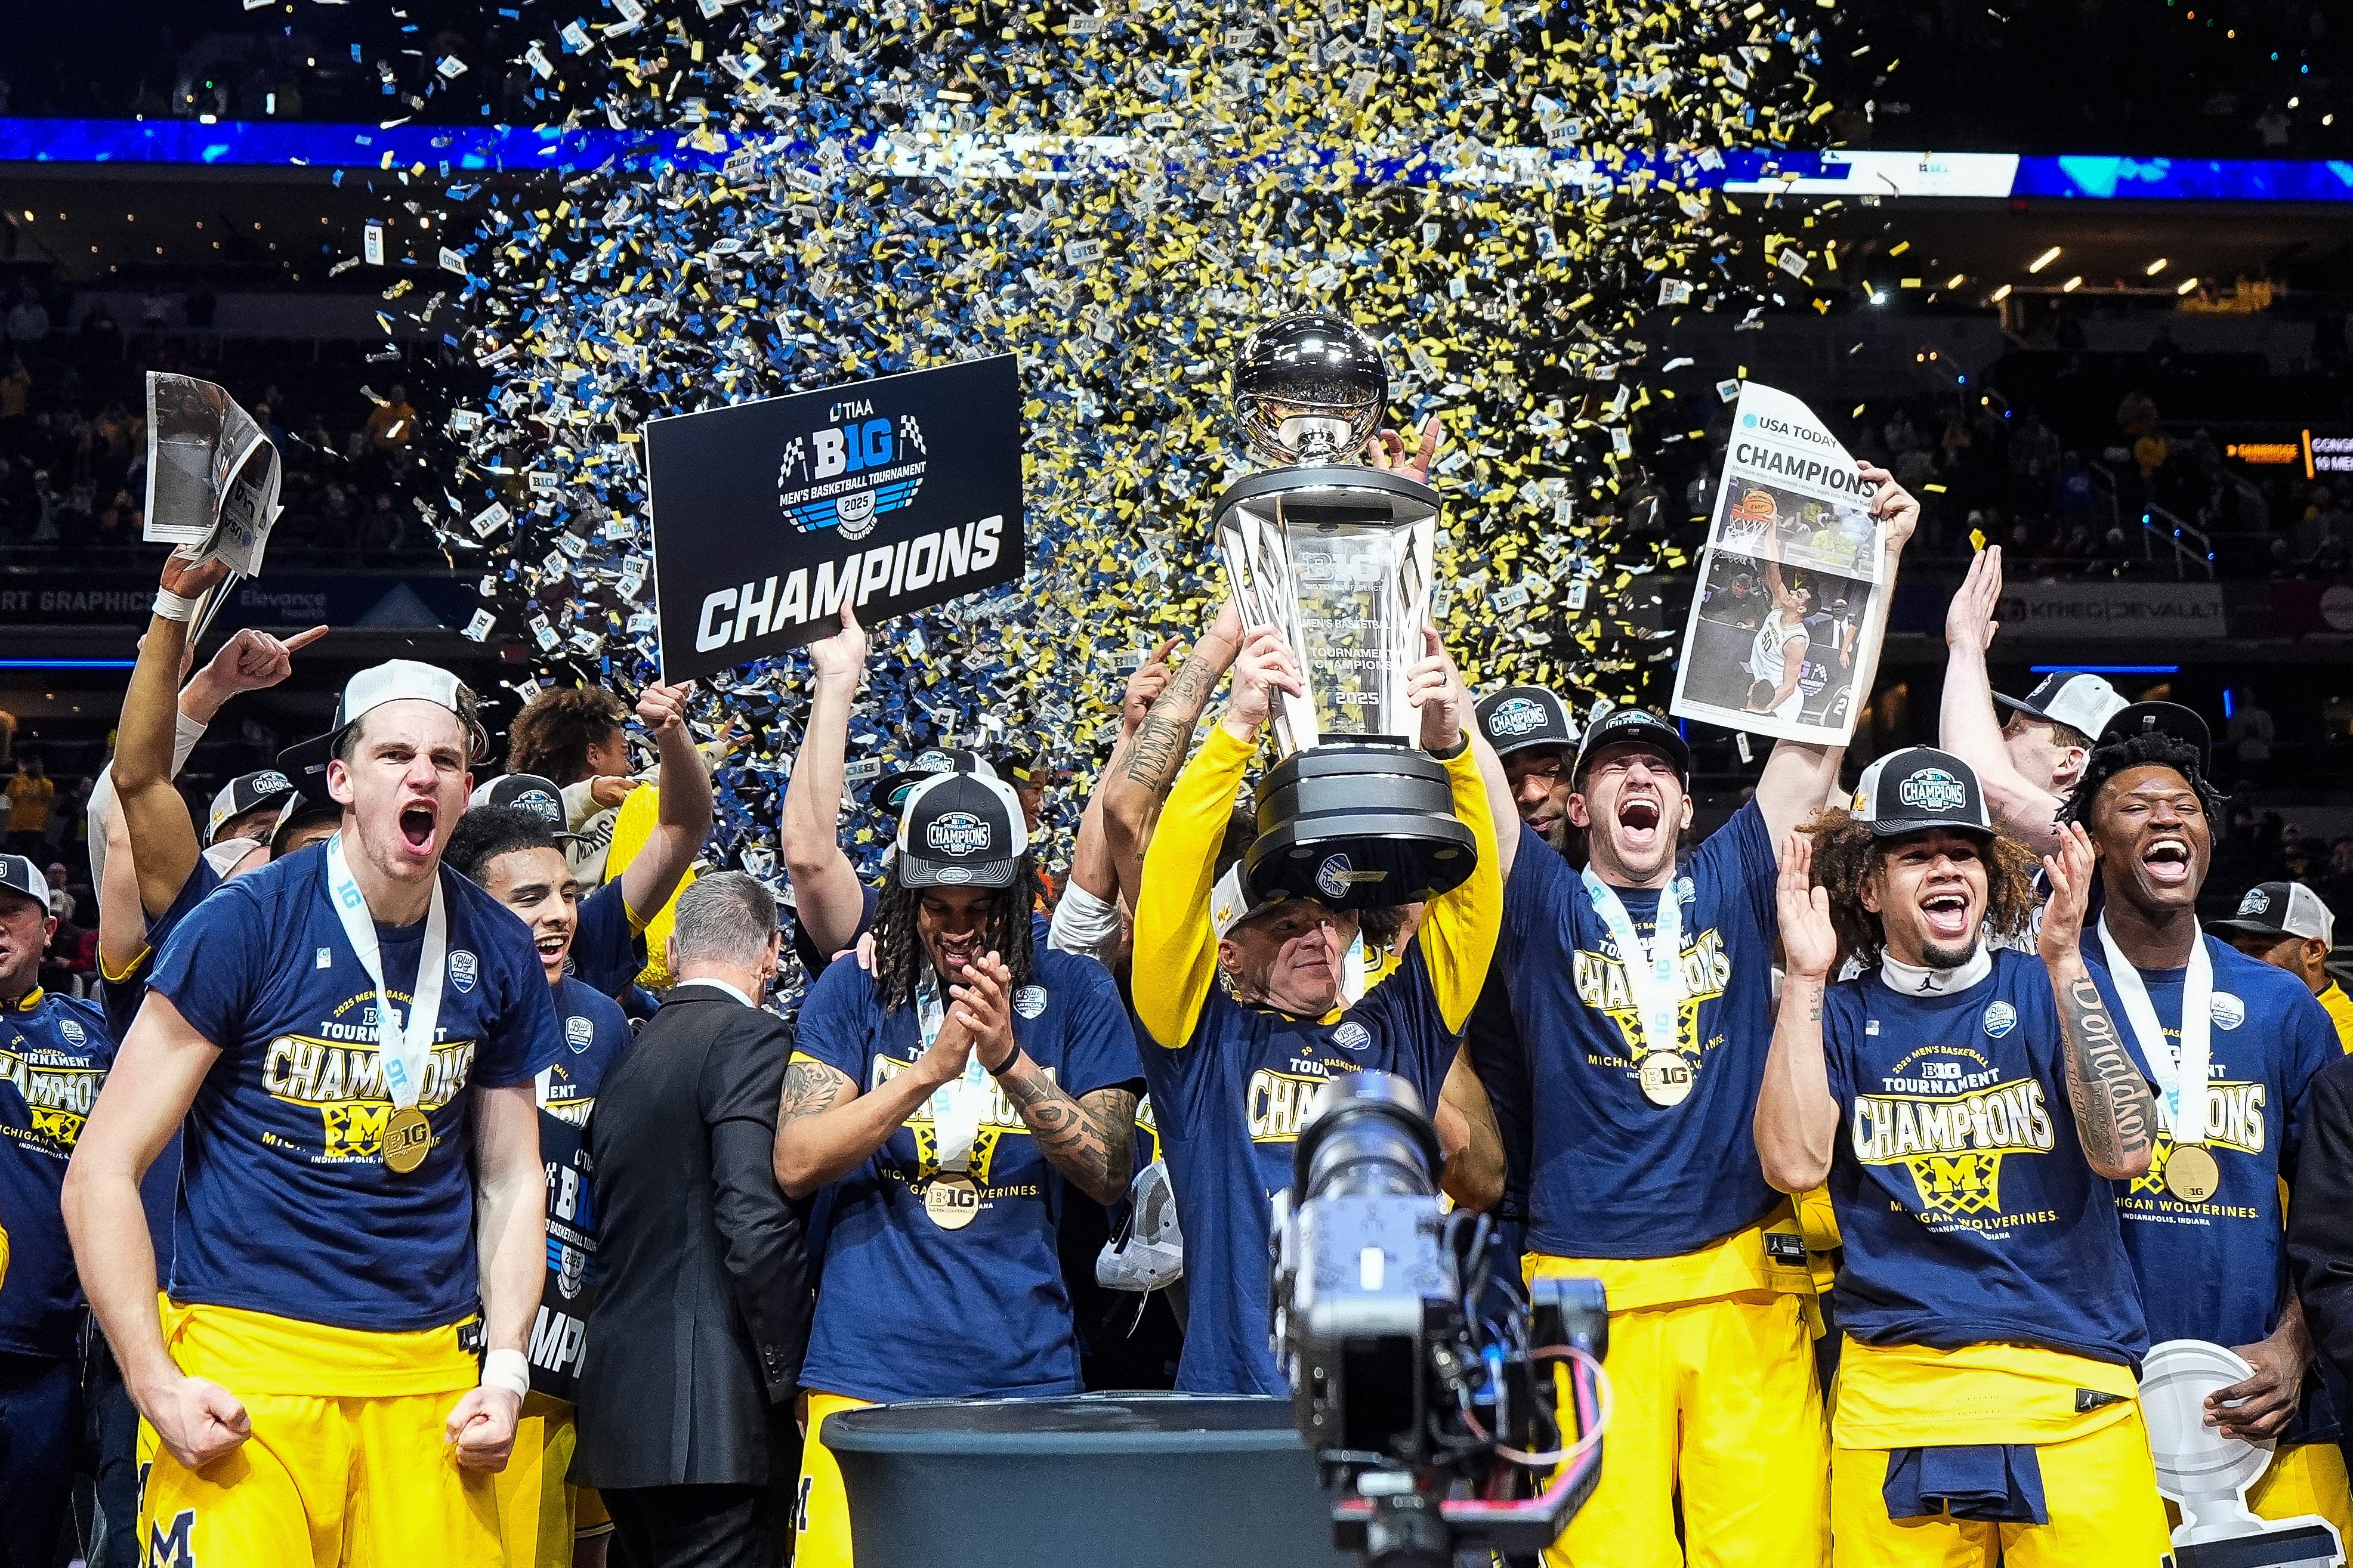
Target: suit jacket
703 1300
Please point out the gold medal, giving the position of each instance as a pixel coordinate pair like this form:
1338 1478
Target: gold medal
1666 1078
407 1139
2191 1172
952 1200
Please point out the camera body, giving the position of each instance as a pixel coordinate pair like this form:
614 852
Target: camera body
1434 1425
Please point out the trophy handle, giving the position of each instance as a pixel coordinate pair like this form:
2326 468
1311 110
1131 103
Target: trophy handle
1259 570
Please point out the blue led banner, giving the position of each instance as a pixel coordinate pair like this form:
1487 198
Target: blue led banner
452 149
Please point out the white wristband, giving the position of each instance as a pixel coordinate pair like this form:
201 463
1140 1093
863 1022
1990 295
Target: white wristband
173 607
508 1370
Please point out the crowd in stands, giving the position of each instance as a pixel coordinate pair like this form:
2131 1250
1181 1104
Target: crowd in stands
73 441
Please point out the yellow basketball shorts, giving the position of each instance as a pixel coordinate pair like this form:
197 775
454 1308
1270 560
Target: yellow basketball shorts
540 1513
822 1512
323 1483
2100 1491
345 1481
1718 1401
2305 1478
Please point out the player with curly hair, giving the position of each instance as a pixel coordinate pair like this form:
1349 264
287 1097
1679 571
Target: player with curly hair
1987 1406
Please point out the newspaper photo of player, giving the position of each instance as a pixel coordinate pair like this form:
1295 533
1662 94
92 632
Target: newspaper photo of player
1772 648
1775 523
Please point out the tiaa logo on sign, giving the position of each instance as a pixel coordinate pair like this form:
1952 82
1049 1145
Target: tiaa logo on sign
847 474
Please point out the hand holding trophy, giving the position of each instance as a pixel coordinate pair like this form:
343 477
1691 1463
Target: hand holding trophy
1338 557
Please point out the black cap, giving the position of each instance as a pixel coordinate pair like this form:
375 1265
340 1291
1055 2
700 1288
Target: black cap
961 830
890 792
1626 726
525 792
1921 787
246 792
2281 909
19 875
307 810
1519 717
2170 718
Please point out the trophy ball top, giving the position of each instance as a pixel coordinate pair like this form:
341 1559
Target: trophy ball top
1312 389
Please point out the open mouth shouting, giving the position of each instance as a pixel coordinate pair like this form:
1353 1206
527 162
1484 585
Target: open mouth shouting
1639 818
1946 914
553 947
2167 861
418 819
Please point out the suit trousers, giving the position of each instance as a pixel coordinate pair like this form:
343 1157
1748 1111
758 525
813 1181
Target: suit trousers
700 1526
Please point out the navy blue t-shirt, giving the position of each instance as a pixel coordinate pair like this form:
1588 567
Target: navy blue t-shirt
159 1190
909 1306
607 949
286 1206
1969 1214
54 1056
1229 1106
1615 1175
595 1033
2218 1270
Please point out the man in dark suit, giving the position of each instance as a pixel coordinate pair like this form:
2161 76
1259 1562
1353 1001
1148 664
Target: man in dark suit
686 1387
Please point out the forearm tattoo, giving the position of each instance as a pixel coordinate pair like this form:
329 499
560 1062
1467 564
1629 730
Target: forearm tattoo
809 1088
1153 756
2114 1114
1087 1147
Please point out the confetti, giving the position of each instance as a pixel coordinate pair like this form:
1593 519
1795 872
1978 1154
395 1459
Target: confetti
1510 199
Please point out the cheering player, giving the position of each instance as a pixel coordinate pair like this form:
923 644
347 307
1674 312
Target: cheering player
513 853
950 1097
1242 1004
1644 995
1986 1410
310 1387
2233 1046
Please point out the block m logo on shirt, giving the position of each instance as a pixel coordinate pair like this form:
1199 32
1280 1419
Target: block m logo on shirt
170 1546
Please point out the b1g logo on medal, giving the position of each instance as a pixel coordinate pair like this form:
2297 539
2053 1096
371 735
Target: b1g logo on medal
1666 1078
1352 1036
579 1032
2000 1018
951 1201
463 968
1029 1001
851 472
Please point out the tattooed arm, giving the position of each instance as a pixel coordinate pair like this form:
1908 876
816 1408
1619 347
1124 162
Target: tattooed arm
825 1128
2116 1116
1091 1140
1148 763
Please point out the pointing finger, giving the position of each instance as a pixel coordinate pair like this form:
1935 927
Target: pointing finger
301 640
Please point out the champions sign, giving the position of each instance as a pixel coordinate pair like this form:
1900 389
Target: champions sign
888 496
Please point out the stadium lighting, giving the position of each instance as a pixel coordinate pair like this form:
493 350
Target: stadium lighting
2186 285
1956 280
2154 268
2043 261
2071 284
2001 293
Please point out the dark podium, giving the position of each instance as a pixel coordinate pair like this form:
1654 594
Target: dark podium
1143 1481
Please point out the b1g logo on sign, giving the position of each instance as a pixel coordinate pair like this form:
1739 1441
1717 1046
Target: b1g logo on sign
851 472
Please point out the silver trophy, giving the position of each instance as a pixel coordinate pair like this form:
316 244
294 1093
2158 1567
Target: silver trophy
1340 557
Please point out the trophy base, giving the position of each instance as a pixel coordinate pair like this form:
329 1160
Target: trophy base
1357 826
